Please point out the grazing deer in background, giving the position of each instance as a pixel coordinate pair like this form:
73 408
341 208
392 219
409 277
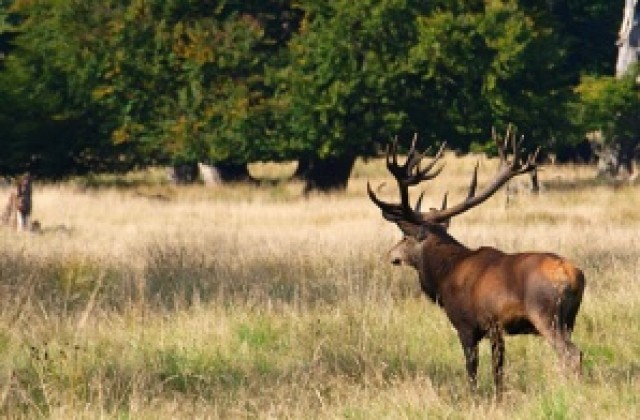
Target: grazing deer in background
484 292
18 209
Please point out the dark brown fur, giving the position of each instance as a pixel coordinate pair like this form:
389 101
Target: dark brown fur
484 292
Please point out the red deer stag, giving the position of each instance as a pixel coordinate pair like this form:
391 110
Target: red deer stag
484 292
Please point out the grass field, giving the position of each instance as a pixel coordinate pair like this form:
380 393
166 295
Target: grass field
143 300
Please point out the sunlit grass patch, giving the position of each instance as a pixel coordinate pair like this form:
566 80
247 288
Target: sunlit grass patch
253 301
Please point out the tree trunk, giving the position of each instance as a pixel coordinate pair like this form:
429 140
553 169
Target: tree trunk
328 174
535 182
210 174
224 172
629 38
304 163
233 172
186 173
628 150
617 160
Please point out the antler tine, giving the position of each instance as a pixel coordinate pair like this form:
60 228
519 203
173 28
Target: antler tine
426 173
508 169
413 157
392 158
392 153
414 140
533 158
474 182
522 165
515 150
419 202
500 143
406 175
389 211
396 213
509 137
410 173
509 133
530 164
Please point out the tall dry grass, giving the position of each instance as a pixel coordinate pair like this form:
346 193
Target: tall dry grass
148 301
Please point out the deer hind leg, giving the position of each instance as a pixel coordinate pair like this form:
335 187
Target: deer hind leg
567 316
568 312
497 356
554 328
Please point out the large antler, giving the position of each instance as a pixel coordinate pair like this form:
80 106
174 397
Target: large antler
410 174
507 170
406 175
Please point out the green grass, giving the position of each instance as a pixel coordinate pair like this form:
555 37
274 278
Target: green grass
252 301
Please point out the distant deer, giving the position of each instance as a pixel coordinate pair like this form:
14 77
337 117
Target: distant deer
18 209
484 292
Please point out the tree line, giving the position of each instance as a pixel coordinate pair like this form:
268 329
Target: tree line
114 85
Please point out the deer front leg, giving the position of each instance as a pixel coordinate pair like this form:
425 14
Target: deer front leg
470 348
497 356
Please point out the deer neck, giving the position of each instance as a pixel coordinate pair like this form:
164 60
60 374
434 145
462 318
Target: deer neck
439 254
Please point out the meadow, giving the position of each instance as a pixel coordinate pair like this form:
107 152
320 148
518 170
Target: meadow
145 300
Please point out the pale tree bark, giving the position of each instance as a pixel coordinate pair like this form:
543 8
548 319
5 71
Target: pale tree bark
618 157
224 172
629 38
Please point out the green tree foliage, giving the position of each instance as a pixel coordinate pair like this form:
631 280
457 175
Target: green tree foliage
587 28
611 105
187 79
114 84
141 82
493 66
344 86
181 86
447 67
344 80
45 112
528 83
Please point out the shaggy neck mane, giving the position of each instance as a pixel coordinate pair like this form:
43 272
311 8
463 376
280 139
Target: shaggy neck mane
439 254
